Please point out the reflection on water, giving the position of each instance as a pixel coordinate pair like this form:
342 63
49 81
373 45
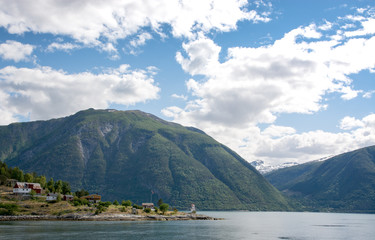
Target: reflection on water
237 225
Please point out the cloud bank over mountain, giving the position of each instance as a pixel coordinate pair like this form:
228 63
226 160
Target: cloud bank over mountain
294 74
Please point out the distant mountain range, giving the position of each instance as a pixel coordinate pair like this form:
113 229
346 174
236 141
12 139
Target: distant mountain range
137 156
344 183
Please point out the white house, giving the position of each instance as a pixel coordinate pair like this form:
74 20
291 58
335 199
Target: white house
21 188
51 197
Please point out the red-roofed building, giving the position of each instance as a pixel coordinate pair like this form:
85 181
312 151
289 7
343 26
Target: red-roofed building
26 188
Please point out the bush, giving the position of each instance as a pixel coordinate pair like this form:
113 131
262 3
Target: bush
100 209
116 203
137 206
8 208
105 204
32 194
79 201
126 203
147 210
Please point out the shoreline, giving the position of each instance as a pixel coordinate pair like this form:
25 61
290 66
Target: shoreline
105 217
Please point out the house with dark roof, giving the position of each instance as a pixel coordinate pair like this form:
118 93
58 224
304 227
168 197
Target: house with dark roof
147 205
68 198
93 198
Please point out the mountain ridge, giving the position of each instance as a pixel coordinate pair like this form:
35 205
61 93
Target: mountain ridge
345 182
130 154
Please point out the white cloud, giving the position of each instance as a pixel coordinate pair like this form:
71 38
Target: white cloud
171 111
327 26
183 97
348 123
62 46
43 93
255 85
349 93
16 51
278 131
91 22
368 94
203 56
279 144
141 39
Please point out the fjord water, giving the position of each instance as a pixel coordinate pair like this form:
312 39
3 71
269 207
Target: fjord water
237 225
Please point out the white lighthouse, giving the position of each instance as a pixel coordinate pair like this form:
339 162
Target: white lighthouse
192 208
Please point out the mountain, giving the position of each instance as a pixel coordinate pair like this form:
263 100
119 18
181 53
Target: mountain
264 168
342 183
134 155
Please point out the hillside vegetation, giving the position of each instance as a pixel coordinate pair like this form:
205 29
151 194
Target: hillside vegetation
135 155
344 183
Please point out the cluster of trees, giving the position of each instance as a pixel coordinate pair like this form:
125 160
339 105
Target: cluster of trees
17 174
57 187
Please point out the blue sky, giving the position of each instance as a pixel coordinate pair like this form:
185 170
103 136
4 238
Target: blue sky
277 81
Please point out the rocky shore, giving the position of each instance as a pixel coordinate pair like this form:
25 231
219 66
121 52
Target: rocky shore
106 217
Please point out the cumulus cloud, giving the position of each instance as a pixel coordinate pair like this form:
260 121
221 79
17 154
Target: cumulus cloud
43 93
91 22
293 75
16 51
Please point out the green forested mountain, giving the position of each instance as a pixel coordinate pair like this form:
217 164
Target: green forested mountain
343 183
131 154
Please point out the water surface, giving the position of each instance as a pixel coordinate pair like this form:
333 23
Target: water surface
237 225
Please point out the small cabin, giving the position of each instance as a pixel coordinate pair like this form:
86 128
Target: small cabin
68 197
51 197
93 198
147 205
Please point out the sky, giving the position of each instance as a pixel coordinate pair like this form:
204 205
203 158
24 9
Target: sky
277 81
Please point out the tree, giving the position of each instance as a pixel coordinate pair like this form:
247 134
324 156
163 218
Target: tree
58 199
65 188
164 207
17 174
29 178
51 185
126 203
3 171
115 203
81 193
42 180
32 194
160 202
58 186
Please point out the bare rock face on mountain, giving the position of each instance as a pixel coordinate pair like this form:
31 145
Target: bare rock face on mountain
137 156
